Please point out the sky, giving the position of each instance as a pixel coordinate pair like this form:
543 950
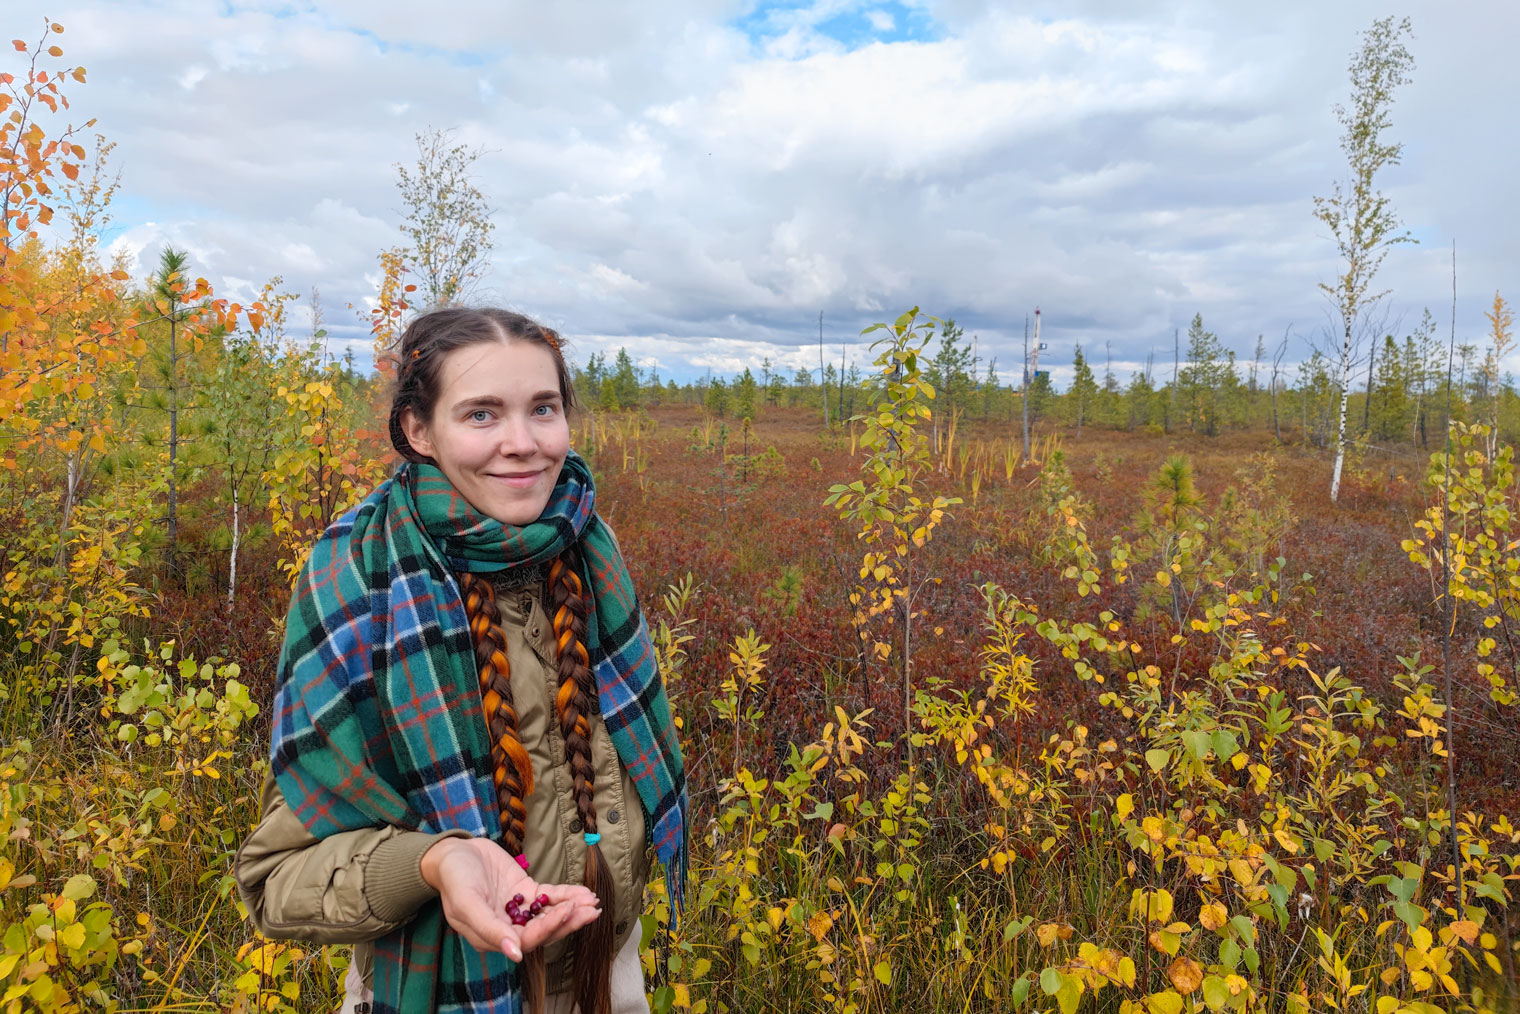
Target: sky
696 180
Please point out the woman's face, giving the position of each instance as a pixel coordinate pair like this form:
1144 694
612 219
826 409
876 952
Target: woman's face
498 430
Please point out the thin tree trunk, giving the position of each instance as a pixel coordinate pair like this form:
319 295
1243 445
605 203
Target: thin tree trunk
172 549
820 372
1024 395
232 561
1340 429
1171 410
1367 409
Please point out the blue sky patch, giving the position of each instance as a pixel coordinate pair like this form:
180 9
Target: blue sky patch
859 25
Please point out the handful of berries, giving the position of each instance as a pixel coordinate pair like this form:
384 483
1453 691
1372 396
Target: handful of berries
521 916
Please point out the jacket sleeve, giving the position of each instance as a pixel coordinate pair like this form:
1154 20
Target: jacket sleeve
345 888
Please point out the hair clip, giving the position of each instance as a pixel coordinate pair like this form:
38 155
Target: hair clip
416 353
551 338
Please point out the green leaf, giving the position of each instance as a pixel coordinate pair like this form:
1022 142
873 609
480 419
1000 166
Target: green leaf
1050 981
823 811
1157 759
1410 915
79 887
1197 743
1215 993
883 972
1020 991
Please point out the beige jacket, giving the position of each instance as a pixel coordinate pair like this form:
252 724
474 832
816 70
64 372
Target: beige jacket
358 885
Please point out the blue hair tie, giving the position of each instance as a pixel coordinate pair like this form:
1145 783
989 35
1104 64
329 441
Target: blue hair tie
592 838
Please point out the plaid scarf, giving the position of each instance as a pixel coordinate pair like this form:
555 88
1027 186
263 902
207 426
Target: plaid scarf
378 713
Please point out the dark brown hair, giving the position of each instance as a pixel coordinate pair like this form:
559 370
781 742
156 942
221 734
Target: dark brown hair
574 704
431 336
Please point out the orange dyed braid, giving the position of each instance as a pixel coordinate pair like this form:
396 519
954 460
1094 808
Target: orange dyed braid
511 768
573 703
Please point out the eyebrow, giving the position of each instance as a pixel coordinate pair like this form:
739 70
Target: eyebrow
491 401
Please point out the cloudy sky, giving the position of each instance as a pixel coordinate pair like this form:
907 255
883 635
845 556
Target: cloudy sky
698 179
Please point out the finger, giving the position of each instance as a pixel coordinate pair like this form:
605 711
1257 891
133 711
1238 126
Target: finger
574 894
556 922
512 944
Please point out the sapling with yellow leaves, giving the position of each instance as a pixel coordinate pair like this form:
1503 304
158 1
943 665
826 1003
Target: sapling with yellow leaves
895 515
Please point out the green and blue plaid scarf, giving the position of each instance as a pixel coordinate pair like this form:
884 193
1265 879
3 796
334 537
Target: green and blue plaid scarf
378 714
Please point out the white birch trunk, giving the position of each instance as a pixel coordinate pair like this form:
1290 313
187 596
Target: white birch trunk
232 563
1340 429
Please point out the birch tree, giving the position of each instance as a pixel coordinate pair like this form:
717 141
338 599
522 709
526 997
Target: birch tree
1360 218
448 220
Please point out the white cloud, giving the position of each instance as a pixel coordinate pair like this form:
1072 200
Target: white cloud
657 172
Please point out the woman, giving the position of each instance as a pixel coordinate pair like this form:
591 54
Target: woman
471 743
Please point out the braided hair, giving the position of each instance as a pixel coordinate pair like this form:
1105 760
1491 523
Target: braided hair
511 768
573 704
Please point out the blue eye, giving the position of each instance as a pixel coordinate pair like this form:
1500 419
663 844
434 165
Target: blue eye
479 415
543 410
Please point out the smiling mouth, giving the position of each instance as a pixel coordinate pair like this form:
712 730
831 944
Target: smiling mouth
520 480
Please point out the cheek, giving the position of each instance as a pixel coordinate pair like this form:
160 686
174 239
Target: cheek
556 443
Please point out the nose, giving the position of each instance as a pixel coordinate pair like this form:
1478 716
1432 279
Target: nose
516 437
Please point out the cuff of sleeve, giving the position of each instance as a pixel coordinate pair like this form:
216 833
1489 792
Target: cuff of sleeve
393 883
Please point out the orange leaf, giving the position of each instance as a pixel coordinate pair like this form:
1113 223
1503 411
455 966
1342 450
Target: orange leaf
55 26
1185 974
20 46
70 170
55 51
79 74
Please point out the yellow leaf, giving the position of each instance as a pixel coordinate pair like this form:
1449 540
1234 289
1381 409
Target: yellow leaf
1164 1003
72 935
1213 916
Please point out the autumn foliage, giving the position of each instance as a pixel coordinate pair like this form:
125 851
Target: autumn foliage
1128 723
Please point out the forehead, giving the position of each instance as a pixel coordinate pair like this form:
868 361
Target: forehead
502 369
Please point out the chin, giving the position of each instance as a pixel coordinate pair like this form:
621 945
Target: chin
520 514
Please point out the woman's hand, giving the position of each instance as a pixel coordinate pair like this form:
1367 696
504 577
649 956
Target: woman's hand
475 877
